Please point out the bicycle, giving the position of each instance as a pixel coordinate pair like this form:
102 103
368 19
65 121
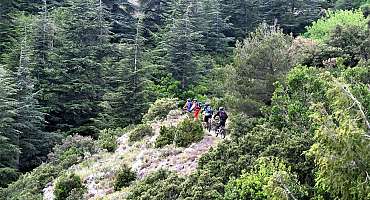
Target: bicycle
222 131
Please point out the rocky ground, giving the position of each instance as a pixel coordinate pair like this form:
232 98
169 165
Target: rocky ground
98 172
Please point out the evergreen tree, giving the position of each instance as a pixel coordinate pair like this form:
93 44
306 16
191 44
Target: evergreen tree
291 15
156 14
182 43
260 61
127 98
122 20
9 151
74 86
33 142
215 26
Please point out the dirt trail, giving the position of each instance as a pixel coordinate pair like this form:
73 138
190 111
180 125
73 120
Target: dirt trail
99 171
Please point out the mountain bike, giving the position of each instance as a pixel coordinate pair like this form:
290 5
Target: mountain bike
222 131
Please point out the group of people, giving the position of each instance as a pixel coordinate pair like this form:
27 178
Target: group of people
193 106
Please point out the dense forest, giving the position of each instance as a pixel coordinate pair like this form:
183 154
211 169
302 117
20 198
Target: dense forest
78 75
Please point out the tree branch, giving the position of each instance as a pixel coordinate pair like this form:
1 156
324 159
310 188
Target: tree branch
347 91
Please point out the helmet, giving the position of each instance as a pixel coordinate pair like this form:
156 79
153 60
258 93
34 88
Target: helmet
195 99
221 108
189 99
206 104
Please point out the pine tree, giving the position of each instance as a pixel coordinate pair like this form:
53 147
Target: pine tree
9 151
182 43
127 98
122 19
75 71
33 142
291 15
155 15
215 26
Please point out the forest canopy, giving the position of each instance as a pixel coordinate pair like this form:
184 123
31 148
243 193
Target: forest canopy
77 75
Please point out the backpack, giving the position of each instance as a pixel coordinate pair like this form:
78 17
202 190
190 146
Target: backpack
208 110
223 115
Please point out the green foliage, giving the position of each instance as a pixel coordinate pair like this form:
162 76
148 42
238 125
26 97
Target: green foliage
323 28
259 61
124 178
349 4
270 179
8 175
140 132
160 185
30 185
166 136
202 186
188 132
73 150
160 109
65 184
108 139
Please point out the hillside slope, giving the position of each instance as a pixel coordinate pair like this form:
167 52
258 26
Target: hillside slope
99 171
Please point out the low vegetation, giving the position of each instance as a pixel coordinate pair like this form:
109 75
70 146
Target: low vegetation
141 131
68 187
124 178
184 134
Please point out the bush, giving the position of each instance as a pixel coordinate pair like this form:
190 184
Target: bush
140 132
188 131
72 150
29 185
160 109
160 185
166 136
323 28
108 139
124 178
65 185
7 175
270 179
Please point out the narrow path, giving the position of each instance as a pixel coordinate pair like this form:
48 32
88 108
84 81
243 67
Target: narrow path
99 171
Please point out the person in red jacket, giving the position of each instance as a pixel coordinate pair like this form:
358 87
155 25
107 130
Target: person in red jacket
196 108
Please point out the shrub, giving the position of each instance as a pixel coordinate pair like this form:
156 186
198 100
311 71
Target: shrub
29 185
72 150
160 109
188 131
65 185
7 175
124 178
323 28
261 60
166 136
140 132
160 185
108 139
270 179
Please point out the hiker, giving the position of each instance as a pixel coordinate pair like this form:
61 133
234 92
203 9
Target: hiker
223 117
196 108
207 112
188 105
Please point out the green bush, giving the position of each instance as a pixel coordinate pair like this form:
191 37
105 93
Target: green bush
160 109
65 185
166 136
323 28
7 175
140 132
160 185
72 150
30 185
108 139
188 132
124 178
270 179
